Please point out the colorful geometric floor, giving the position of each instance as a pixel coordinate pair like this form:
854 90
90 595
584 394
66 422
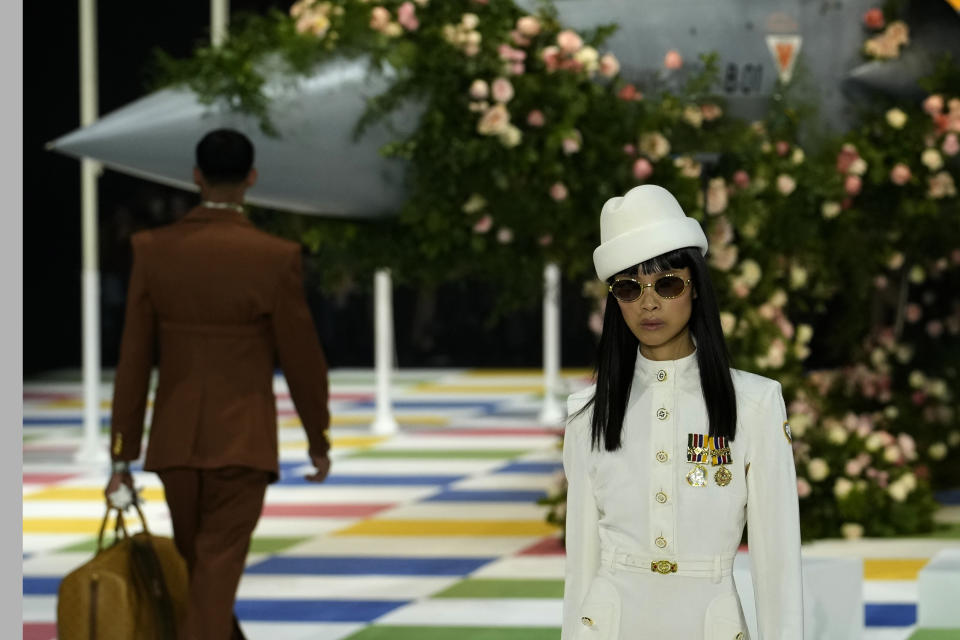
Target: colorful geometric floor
430 534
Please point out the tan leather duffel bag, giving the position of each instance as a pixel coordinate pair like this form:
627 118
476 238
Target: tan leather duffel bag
135 589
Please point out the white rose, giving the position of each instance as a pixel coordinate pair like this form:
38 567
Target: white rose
588 57
798 277
937 451
909 481
830 209
898 491
837 435
852 530
904 354
917 379
917 274
778 299
479 90
728 322
797 157
751 273
786 184
511 137
799 424
896 118
874 442
842 487
858 167
938 389
474 204
817 469
470 21
804 333
891 412
954 438
878 357
693 115
931 159
892 453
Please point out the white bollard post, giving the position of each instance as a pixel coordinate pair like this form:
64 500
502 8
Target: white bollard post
93 449
384 422
552 413
219 19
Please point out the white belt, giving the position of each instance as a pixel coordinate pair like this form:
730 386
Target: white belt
715 567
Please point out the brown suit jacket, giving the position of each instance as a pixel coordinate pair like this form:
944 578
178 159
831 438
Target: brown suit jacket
218 302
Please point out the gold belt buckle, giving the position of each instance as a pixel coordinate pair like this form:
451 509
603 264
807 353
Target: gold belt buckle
663 567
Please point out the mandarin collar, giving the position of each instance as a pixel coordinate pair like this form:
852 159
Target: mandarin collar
663 370
206 214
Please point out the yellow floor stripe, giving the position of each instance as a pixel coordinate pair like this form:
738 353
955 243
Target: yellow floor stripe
367 419
86 526
345 442
885 569
86 493
429 387
449 528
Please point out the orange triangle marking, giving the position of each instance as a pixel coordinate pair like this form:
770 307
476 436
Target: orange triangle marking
784 54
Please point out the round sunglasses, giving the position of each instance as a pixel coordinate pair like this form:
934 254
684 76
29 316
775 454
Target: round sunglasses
630 289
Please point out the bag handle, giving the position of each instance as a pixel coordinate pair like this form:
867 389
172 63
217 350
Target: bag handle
120 525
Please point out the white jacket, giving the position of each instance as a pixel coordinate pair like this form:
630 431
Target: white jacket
629 511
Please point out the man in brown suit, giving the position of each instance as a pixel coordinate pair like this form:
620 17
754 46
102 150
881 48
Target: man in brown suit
218 303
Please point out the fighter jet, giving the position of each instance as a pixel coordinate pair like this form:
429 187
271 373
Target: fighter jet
317 167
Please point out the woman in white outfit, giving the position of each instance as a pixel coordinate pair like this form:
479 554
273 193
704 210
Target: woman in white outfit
672 452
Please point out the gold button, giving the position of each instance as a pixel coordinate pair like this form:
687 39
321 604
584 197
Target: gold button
662 456
661 375
662 414
661 542
585 621
661 497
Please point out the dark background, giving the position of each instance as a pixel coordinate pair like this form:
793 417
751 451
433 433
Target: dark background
448 327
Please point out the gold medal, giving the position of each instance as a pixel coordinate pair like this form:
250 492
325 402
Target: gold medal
787 432
723 476
697 476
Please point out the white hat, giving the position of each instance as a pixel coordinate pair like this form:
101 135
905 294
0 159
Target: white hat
643 224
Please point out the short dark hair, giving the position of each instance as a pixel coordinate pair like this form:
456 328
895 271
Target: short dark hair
224 156
617 355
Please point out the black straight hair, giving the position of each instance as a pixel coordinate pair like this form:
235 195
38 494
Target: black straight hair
224 156
617 355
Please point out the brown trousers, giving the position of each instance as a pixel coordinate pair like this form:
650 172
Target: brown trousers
214 513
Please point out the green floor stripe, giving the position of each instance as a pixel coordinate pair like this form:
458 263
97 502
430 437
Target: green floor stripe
489 588
259 545
456 633
947 531
442 454
935 634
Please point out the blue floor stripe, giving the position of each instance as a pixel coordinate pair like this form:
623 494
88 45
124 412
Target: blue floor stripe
367 566
949 497
59 421
460 495
374 480
890 615
314 610
531 467
40 586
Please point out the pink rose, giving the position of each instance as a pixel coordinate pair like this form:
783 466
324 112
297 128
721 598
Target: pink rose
642 169
853 468
848 154
933 105
710 111
786 184
407 16
551 58
783 147
528 26
571 143
742 179
596 322
880 282
673 60
545 240
629 92
495 121
510 54
955 256
873 19
900 174
803 488
629 149
741 290
918 397
914 312
517 68
483 224
502 90
852 185
519 39
569 42
505 235
379 18
535 118
609 65
950 145
558 191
